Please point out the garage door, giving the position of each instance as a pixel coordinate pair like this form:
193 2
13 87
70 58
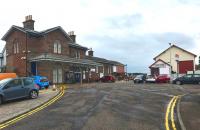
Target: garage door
185 66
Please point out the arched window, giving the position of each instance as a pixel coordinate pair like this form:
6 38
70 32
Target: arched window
57 47
15 47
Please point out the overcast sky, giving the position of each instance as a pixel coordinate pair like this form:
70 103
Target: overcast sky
130 31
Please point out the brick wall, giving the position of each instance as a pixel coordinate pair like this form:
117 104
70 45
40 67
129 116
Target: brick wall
14 61
73 51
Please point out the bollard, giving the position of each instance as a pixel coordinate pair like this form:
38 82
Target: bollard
54 87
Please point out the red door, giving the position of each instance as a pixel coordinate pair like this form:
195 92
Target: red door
185 66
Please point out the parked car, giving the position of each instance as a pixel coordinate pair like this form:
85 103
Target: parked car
163 79
41 81
107 79
150 79
14 88
188 79
140 78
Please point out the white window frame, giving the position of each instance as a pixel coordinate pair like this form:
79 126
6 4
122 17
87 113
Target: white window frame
60 75
57 48
77 54
16 48
97 69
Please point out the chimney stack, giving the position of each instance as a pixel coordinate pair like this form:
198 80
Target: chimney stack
90 52
72 36
29 23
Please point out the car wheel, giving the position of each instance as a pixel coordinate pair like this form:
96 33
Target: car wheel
178 82
46 87
199 82
1 100
33 94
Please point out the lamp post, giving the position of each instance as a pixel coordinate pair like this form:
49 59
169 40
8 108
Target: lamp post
177 67
126 70
170 57
126 75
177 60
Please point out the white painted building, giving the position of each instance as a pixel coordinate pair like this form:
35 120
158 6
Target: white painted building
160 67
178 58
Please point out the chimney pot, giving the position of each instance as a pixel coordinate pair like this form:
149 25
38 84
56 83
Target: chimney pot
29 23
90 52
72 36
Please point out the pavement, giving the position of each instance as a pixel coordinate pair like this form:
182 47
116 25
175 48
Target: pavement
11 109
115 106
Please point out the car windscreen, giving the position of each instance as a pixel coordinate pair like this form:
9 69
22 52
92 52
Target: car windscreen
139 76
150 77
43 79
4 81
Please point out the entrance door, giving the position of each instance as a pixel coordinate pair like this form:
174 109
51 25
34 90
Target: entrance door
33 68
77 77
57 75
155 71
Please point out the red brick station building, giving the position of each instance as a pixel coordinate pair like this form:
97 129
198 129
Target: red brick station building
52 53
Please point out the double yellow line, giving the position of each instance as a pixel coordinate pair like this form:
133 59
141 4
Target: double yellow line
170 112
20 117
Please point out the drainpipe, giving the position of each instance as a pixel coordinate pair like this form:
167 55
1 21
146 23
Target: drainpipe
170 60
81 75
26 54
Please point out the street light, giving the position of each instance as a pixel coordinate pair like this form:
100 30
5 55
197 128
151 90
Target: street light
170 44
126 70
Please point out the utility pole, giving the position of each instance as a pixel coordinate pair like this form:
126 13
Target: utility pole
170 60
26 54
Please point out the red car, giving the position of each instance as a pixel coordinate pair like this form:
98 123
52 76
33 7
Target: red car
163 79
107 79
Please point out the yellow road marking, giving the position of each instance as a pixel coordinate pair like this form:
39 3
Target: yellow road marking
172 114
12 121
167 114
170 110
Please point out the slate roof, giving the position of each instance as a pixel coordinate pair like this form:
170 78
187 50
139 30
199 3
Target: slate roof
42 33
157 61
66 59
175 47
102 60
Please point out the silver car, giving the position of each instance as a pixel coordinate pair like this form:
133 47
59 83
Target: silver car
14 88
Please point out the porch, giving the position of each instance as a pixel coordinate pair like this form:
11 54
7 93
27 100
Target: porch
62 69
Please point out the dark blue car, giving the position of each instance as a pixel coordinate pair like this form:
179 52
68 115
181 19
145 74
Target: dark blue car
14 88
41 81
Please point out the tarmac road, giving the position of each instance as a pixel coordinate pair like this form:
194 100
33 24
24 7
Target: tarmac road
105 106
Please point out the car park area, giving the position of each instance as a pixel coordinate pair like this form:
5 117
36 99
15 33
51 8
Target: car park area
116 106
13 108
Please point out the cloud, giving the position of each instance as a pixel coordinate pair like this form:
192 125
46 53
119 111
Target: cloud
137 51
191 2
125 21
130 31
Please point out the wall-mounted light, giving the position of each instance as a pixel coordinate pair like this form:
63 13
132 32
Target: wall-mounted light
23 58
